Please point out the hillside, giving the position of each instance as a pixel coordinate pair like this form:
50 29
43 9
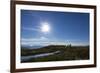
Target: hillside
66 53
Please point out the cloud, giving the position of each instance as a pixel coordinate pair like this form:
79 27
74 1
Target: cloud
34 39
44 41
31 29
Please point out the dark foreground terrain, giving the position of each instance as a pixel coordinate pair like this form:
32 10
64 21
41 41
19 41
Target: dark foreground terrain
55 53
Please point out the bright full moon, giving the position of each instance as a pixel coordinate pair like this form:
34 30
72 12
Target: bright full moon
45 27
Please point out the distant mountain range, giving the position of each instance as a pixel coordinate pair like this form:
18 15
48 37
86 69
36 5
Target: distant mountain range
48 46
31 47
40 46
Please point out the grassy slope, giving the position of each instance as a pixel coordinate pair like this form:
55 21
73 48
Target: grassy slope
67 53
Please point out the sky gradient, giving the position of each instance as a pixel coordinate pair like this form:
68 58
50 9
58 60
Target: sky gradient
65 28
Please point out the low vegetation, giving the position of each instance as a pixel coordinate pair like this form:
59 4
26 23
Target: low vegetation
66 53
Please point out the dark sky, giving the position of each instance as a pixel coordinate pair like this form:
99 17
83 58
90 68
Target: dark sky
65 27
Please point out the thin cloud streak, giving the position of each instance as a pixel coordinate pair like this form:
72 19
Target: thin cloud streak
31 29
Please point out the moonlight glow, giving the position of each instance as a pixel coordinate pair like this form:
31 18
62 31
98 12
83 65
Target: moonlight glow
45 27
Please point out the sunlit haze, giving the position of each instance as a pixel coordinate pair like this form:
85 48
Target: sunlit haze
45 27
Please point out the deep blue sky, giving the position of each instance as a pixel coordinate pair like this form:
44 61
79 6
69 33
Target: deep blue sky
64 27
